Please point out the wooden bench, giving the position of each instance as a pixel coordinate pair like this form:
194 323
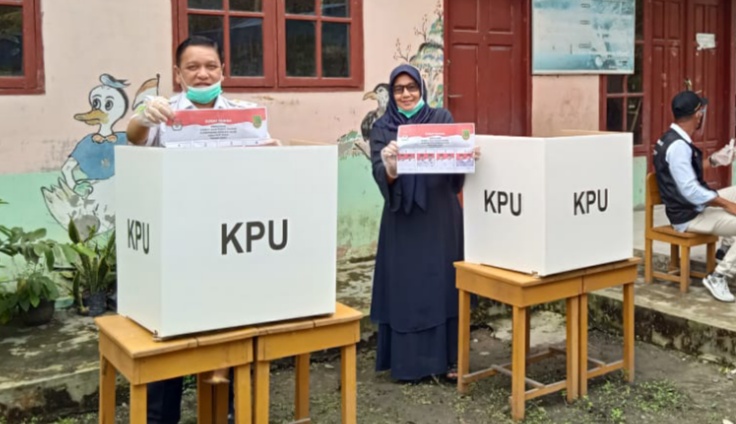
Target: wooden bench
130 349
680 244
298 339
522 291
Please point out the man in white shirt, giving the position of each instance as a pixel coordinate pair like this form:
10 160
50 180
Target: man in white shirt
689 203
199 71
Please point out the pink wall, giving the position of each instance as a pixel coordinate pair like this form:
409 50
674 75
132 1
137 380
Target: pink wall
564 102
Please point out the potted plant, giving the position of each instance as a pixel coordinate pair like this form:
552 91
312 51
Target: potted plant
34 292
94 273
33 297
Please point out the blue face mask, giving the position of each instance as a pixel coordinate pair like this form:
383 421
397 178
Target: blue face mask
410 113
204 95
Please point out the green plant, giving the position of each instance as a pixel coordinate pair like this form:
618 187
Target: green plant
94 262
35 282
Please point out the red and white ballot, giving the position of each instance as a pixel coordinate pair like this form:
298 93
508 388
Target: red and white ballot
436 149
198 128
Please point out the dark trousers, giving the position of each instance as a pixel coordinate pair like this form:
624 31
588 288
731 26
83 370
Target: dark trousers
164 400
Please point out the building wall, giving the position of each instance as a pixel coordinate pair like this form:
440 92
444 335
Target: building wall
82 55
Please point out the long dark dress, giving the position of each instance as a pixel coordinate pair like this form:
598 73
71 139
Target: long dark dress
415 302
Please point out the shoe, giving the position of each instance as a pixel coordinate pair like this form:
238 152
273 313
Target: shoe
718 287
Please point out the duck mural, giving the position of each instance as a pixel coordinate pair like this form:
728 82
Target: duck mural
84 191
428 58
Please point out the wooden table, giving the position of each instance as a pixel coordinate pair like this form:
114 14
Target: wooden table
522 291
130 349
299 338
618 274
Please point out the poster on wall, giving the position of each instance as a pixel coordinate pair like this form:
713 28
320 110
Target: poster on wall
583 36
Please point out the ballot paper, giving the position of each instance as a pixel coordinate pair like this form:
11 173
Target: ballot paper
203 128
436 149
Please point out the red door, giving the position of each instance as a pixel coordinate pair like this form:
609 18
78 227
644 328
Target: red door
487 74
676 60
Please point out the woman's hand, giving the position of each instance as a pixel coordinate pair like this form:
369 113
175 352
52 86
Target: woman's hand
476 152
388 156
272 142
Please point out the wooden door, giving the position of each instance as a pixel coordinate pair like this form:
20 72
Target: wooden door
708 72
675 60
487 75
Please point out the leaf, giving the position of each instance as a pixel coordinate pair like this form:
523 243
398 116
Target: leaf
84 250
73 232
35 300
37 234
69 253
24 304
50 260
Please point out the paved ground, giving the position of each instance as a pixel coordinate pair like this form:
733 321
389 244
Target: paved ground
670 387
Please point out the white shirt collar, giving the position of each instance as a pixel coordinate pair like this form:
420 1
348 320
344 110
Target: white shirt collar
681 132
182 102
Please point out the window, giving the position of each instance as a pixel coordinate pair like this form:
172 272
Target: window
622 107
280 44
21 59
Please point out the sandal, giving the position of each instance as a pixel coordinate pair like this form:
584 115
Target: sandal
451 373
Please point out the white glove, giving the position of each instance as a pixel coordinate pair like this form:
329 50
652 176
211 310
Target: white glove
154 111
388 157
724 156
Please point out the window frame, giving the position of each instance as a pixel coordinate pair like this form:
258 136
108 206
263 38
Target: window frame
32 81
645 42
274 53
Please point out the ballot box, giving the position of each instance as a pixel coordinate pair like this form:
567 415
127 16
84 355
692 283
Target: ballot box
545 205
210 239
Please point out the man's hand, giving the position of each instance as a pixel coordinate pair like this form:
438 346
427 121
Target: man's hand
730 208
154 111
724 156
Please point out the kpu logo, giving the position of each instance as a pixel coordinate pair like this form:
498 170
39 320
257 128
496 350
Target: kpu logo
252 231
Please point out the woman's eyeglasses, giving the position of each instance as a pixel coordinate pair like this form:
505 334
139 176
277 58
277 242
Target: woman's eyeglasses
399 89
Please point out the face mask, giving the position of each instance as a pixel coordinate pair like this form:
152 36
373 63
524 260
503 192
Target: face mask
410 113
203 95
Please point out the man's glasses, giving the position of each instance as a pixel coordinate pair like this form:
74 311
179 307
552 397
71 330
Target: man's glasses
399 89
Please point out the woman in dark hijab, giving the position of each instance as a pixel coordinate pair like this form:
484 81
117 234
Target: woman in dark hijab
415 302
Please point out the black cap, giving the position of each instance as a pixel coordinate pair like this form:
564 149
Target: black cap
686 103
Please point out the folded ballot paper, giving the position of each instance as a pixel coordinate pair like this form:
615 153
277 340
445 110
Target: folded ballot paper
201 128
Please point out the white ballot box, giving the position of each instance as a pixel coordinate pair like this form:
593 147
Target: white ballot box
548 205
210 239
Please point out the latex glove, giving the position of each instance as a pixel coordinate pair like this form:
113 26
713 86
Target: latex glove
724 156
476 152
154 111
272 142
388 156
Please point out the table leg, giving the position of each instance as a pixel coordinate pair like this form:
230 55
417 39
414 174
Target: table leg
348 371
107 392
261 401
583 359
302 387
527 336
463 341
138 404
573 348
518 363
221 403
629 331
242 398
204 400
